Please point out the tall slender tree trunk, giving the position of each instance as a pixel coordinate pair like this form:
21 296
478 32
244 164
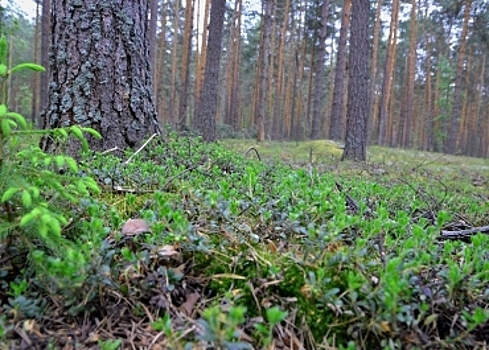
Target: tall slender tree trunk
277 126
208 100
336 127
408 98
428 105
479 111
357 112
372 95
174 86
153 21
261 112
201 59
160 96
185 69
451 145
317 109
233 53
389 70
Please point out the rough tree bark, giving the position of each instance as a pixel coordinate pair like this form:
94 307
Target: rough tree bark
357 112
100 71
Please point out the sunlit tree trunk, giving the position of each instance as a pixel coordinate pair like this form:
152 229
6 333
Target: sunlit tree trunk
336 127
388 73
200 60
451 145
357 110
317 109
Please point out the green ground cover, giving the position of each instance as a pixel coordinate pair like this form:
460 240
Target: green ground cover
268 246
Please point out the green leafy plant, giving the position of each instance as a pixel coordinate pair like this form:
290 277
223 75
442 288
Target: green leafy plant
37 189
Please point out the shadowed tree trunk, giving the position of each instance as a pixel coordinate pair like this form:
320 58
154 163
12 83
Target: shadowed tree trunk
278 108
451 145
407 110
207 107
357 112
336 128
160 97
185 69
100 71
317 107
384 117
261 108
373 100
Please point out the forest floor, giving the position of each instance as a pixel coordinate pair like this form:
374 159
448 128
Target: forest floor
264 246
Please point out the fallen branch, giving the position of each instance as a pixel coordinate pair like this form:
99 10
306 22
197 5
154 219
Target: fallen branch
464 233
253 149
140 148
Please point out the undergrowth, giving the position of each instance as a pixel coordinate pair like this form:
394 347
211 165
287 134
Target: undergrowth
246 253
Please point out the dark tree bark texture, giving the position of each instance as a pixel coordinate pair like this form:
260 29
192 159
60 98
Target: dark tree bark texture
206 113
100 71
357 112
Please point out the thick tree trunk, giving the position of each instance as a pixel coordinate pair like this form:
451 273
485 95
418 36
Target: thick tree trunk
208 100
101 72
357 112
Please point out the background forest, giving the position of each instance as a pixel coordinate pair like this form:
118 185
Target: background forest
428 76
177 190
